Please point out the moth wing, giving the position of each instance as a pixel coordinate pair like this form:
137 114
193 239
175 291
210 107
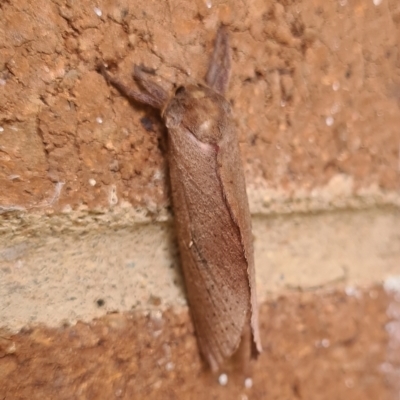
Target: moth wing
234 187
214 266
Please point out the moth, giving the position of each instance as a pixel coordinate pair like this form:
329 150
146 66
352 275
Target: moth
210 205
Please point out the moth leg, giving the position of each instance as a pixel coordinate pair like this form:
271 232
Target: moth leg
155 90
220 64
156 97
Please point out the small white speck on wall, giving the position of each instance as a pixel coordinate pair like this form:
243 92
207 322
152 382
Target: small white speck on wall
377 2
92 182
392 284
169 366
98 12
208 3
99 120
223 379
352 291
325 343
336 86
67 209
248 383
329 121
1 129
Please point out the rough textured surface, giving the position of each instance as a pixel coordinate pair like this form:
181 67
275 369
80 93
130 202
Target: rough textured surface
315 90
317 346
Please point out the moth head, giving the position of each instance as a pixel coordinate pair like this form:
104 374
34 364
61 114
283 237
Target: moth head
199 110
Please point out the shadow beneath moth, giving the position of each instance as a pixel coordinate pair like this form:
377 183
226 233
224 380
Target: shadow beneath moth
210 205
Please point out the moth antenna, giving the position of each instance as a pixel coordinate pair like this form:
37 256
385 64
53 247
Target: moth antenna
153 99
220 64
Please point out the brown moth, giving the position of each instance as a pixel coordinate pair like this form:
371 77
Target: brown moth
210 206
